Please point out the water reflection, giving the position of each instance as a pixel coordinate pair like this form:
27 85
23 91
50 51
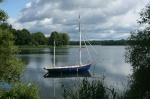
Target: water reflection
66 75
34 50
60 51
61 55
112 67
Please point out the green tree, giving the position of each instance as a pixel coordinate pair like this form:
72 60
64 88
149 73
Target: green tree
65 39
38 38
138 55
54 36
18 36
10 67
22 37
5 26
61 39
26 37
145 15
3 16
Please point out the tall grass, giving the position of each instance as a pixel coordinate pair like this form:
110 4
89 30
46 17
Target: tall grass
86 89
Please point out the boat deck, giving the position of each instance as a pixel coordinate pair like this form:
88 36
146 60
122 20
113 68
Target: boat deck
73 66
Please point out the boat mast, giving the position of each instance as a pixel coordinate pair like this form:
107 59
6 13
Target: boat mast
54 53
80 40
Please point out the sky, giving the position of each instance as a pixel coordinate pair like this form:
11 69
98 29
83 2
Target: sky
100 19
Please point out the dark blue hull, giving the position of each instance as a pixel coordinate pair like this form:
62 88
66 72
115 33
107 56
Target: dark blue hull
69 69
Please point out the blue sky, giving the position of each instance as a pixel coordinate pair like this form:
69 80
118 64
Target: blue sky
100 19
13 7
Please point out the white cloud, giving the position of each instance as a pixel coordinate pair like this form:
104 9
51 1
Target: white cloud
28 5
101 19
14 23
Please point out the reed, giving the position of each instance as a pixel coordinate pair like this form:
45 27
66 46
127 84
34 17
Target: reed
86 89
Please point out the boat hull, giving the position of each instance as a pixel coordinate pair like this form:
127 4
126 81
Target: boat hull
69 68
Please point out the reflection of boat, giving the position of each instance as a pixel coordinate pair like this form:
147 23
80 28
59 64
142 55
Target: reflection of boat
74 68
67 74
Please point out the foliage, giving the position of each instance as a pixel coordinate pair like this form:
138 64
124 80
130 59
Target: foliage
11 70
10 67
61 39
1 1
5 26
103 42
138 54
22 37
88 90
3 16
145 15
38 38
140 48
21 91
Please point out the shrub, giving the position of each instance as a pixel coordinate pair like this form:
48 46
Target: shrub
21 91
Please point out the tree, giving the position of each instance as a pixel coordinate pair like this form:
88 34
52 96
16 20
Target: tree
61 39
139 38
10 67
38 38
138 55
26 37
22 37
1 1
5 26
65 39
3 16
54 36
145 15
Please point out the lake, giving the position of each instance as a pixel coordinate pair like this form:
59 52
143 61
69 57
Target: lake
110 64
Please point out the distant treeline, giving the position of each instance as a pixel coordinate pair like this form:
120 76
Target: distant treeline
103 42
24 37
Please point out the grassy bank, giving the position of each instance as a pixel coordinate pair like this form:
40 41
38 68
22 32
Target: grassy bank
46 46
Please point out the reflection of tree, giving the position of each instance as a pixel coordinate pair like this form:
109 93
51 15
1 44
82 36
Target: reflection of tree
60 52
138 54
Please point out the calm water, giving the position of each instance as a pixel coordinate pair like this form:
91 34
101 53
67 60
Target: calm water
110 63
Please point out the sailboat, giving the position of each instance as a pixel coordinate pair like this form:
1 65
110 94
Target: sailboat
74 68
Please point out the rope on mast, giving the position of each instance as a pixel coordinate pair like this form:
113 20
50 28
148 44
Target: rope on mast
87 48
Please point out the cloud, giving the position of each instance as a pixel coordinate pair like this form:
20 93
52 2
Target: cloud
101 19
